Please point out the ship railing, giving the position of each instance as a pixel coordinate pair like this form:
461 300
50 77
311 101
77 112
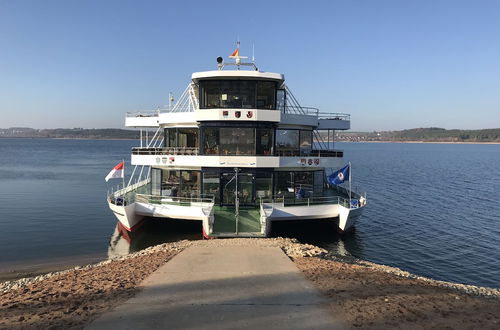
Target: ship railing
299 110
311 201
334 116
312 153
144 113
122 196
185 151
201 201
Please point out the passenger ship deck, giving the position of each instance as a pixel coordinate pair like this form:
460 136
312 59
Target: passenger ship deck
237 151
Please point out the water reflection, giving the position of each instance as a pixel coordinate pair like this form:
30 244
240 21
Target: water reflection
152 232
321 233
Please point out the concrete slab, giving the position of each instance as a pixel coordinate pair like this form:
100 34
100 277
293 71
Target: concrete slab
224 287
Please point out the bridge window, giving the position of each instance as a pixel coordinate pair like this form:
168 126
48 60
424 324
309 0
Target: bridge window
236 94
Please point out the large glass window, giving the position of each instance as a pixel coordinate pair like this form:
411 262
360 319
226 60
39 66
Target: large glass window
304 181
211 143
210 94
266 92
283 186
211 185
155 181
190 183
187 137
237 141
264 141
170 183
287 142
263 185
246 94
305 142
318 183
181 137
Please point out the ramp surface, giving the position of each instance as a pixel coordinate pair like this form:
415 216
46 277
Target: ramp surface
224 287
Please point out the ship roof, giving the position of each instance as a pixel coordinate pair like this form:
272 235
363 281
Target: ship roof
235 74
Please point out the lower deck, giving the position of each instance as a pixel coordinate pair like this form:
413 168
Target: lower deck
221 219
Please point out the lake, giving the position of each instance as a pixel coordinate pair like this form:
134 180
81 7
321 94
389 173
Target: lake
433 209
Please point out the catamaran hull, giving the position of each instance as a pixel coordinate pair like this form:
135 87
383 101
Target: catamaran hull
127 215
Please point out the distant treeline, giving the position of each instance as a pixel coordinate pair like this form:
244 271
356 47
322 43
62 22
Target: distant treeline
69 133
432 134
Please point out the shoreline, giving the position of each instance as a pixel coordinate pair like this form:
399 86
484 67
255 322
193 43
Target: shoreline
334 141
417 142
44 301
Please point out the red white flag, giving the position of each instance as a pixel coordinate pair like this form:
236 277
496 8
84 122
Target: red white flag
236 53
116 172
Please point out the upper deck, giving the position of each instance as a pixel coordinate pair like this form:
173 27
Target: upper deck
238 96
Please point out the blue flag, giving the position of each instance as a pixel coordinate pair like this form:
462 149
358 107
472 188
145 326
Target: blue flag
339 176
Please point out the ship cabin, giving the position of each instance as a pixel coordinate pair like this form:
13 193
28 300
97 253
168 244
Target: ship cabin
241 137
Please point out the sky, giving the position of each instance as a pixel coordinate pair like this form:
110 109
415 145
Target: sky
390 64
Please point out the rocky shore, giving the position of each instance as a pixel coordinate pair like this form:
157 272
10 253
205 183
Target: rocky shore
366 295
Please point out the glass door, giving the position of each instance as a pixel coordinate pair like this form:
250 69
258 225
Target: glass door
245 188
228 185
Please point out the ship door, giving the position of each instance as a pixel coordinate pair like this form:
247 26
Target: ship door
242 185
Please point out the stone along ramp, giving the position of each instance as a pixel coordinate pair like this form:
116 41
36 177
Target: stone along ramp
224 287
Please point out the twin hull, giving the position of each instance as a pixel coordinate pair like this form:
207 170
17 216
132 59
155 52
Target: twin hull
131 216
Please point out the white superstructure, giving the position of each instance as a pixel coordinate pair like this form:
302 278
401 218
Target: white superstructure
237 151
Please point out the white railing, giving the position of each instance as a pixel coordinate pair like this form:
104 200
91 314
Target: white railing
334 116
299 110
203 200
143 113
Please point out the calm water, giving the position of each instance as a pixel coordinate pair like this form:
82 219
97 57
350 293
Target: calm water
434 209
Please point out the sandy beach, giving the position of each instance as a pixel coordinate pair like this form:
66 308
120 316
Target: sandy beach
365 295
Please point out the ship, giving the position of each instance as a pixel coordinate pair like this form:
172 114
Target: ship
237 152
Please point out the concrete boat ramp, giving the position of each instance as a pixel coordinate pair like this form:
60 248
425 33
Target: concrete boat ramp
224 287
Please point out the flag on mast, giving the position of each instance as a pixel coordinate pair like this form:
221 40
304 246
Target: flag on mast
116 172
236 53
340 176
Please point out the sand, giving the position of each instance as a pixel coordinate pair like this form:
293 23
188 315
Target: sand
366 295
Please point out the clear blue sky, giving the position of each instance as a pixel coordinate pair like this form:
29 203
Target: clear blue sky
390 64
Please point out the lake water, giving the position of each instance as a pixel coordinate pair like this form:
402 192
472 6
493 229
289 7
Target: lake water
433 209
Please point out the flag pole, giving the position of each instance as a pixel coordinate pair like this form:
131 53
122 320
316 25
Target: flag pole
123 177
350 187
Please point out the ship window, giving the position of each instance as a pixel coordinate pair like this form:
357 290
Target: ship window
266 91
155 181
246 94
304 180
264 141
190 183
170 183
187 137
318 183
283 186
181 137
237 141
263 185
211 185
211 143
305 142
287 142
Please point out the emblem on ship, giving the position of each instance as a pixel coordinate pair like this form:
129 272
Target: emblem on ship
249 114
